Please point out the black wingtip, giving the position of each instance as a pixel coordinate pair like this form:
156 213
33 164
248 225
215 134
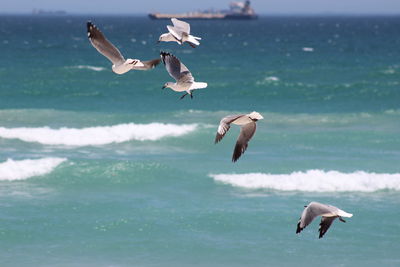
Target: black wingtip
163 55
89 26
299 229
238 152
217 138
321 235
192 44
322 231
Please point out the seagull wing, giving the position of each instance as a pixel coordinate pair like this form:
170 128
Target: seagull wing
246 133
326 222
313 210
181 25
150 64
176 68
102 45
224 126
177 33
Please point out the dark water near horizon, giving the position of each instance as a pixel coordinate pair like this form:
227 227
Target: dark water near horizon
99 169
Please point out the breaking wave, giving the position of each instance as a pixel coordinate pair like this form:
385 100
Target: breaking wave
314 181
23 169
100 135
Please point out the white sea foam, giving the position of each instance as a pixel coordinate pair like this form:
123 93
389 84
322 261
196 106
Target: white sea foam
314 181
308 49
22 169
100 135
94 68
272 79
269 79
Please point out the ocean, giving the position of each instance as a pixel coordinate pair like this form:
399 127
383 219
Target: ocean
99 169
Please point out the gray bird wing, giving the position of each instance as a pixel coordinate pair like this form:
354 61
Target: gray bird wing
313 210
224 126
326 222
246 133
176 68
177 33
150 64
105 47
181 25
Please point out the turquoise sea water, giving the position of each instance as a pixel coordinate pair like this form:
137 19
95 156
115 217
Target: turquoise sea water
98 169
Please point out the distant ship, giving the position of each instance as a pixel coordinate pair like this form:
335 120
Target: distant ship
237 10
42 12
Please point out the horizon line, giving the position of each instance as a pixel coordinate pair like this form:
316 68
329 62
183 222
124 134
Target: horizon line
146 14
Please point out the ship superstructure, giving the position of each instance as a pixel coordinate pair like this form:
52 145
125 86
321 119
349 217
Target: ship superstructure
237 10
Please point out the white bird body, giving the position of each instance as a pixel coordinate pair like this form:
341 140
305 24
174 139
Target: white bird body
123 67
184 81
186 87
242 120
180 33
168 37
179 87
107 49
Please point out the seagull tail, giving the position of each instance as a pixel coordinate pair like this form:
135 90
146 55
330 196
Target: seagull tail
150 64
197 85
344 214
194 40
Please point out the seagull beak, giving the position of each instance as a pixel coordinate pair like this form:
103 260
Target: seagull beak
158 42
163 87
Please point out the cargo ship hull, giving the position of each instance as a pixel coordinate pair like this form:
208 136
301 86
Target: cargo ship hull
217 16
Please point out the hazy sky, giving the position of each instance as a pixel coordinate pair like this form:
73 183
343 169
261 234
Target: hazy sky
261 6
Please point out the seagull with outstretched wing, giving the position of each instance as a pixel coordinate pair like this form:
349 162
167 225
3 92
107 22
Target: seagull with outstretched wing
248 123
329 214
183 77
107 49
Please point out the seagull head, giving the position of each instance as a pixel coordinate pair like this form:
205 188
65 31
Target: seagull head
255 116
167 85
165 37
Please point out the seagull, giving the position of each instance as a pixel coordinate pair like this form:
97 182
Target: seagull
328 213
107 49
248 123
179 33
184 79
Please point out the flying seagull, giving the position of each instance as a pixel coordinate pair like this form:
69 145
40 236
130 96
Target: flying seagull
184 79
179 33
328 213
107 49
248 123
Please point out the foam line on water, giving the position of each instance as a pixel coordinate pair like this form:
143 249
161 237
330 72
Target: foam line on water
100 135
314 181
11 170
88 67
